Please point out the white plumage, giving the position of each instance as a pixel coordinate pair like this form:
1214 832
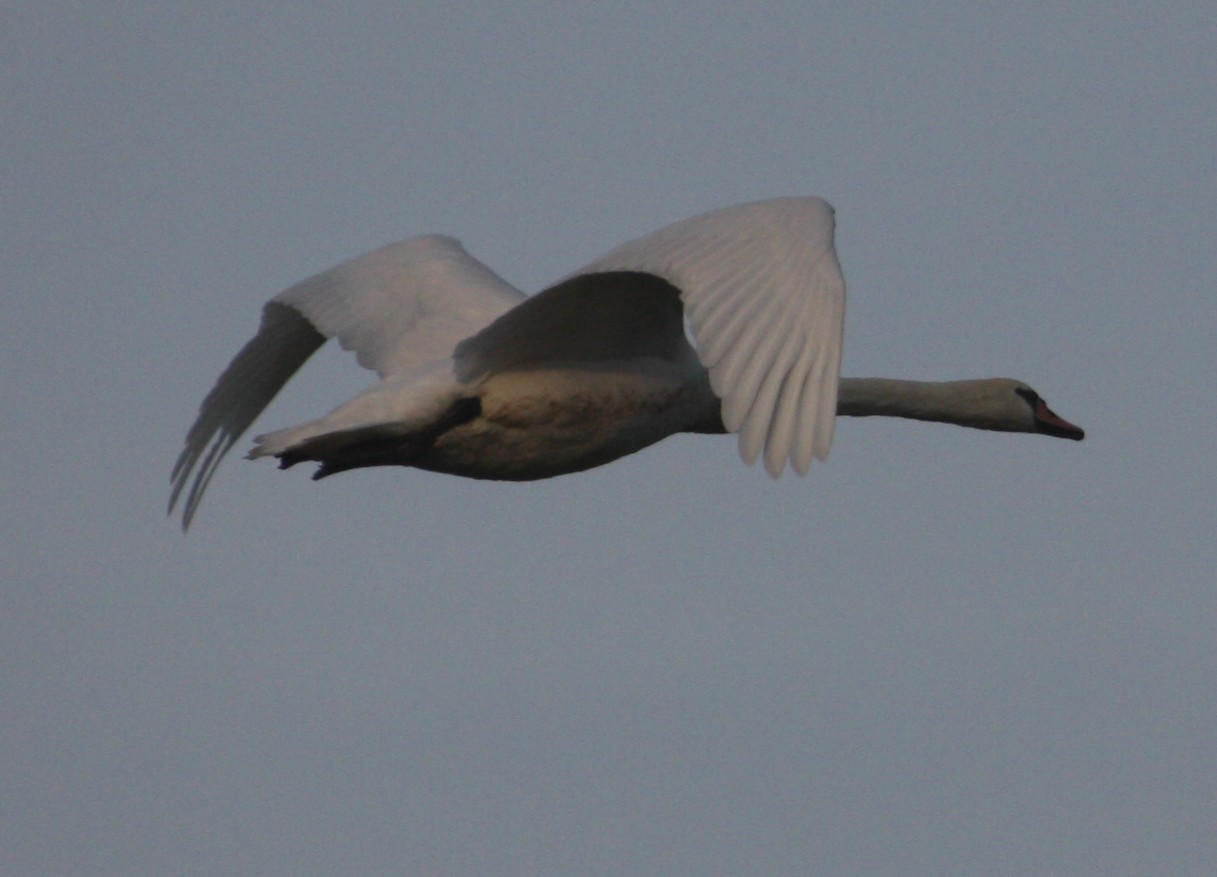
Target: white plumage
479 380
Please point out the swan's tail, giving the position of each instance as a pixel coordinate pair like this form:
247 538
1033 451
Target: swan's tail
386 444
390 423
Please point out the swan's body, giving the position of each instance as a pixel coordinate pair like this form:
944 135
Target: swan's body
480 381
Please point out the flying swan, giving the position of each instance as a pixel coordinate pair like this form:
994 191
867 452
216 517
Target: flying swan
476 379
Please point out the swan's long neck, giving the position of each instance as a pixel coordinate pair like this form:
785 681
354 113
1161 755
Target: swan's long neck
959 402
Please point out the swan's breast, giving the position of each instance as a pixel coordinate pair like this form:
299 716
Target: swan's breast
541 423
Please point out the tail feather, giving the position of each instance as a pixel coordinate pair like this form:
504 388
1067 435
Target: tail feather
380 445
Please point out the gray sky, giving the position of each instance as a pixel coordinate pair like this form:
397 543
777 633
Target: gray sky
942 653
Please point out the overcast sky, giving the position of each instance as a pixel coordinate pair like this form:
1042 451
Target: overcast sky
942 653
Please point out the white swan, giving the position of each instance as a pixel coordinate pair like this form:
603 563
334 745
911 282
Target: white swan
478 380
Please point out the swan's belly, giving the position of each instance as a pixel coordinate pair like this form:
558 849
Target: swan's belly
540 424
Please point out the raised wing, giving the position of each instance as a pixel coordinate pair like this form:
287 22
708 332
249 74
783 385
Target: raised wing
396 307
765 297
405 304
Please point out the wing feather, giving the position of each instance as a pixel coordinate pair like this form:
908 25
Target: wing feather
752 349
723 326
765 298
776 429
284 342
757 433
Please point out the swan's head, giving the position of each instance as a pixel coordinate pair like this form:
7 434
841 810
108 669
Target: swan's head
1000 404
1021 409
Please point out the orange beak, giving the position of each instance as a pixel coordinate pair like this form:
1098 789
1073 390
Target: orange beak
1052 424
